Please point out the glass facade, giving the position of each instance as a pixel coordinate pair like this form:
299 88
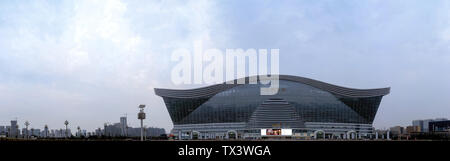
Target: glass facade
238 104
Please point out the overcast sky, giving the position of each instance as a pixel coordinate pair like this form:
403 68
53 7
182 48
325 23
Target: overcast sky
91 61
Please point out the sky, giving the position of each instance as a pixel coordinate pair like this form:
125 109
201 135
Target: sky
93 61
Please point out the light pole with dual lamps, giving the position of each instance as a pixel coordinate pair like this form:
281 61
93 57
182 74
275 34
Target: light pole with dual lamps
141 116
67 132
26 129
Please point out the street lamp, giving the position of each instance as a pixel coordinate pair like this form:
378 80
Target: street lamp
26 129
141 116
79 131
66 123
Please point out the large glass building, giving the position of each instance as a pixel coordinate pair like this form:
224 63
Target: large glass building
302 108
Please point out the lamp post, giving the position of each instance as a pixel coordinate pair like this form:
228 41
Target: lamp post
26 129
141 116
66 123
32 131
79 131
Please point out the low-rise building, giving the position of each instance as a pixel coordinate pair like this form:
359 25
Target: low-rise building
413 129
397 130
424 124
439 126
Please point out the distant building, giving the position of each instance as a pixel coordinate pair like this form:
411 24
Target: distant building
81 133
84 133
31 132
2 131
52 133
413 129
419 124
35 132
115 130
25 133
151 131
439 126
397 130
122 129
46 132
424 124
98 132
123 126
14 129
61 133
8 130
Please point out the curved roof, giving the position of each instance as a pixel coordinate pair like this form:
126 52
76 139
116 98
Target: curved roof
217 88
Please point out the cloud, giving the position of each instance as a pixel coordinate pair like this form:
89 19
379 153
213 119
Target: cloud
76 58
93 60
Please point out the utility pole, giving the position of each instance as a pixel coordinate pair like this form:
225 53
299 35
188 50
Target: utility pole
141 116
